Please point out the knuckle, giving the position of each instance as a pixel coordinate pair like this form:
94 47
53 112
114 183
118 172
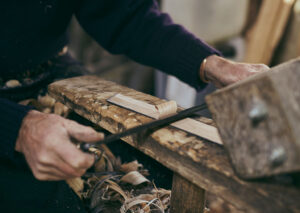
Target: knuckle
43 159
39 176
79 163
39 168
83 162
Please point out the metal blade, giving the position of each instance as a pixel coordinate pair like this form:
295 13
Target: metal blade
148 126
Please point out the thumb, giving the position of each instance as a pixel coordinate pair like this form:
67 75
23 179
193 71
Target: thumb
83 133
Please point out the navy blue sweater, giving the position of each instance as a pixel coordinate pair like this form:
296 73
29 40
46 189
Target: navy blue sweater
35 30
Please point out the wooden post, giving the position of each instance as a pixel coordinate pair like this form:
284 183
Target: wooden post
186 197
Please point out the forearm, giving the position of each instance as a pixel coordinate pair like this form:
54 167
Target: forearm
139 30
11 116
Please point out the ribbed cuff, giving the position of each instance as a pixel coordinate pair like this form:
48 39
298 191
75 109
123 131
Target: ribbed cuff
11 117
193 52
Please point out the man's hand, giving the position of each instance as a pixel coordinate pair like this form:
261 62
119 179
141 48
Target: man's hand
45 140
222 72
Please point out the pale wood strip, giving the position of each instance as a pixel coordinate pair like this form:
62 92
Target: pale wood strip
200 129
135 105
189 125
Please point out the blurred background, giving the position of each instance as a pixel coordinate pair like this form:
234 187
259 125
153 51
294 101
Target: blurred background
238 28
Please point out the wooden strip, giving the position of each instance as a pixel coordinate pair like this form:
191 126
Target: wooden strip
135 105
186 197
200 129
266 33
189 125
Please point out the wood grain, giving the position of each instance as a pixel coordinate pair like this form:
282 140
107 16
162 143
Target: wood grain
270 145
152 111
186 197
202 163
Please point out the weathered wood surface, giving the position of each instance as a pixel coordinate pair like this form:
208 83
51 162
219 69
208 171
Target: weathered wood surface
258 120
186 197
203 163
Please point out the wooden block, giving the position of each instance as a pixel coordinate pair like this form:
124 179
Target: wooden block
200 162
150 110
186 197
266 33
189 125
258 120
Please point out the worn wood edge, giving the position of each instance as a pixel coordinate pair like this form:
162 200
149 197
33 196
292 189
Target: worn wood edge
191 171
189 125
199 129
186 197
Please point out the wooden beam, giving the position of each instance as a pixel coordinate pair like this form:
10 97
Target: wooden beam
186 197
200 162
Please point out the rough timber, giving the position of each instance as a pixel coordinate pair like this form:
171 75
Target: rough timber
200 162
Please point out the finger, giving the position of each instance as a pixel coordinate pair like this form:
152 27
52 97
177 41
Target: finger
48 177
83 133
74 157
60 168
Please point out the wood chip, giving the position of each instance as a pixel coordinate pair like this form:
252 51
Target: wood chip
134 178
129 167
76 184
12 83
46 101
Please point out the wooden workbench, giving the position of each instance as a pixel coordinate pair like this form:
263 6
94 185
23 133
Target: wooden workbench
198 164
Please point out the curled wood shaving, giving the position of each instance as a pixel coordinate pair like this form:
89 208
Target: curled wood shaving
77 185
61 109
132 166
114 186
46 101
141 205
134 178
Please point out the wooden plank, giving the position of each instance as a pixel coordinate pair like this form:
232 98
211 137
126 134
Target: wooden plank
186 197
202 163
189 125
266 33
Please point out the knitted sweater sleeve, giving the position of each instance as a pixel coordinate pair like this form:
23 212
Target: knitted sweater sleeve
11 116
139 30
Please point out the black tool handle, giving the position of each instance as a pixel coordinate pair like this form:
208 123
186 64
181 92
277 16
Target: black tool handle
148 126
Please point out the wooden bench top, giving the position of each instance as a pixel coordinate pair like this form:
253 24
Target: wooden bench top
201 162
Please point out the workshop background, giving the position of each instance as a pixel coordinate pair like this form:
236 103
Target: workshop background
232 26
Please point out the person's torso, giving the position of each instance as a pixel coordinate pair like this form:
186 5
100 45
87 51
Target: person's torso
32 31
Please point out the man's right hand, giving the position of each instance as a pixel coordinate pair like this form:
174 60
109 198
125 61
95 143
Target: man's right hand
45 141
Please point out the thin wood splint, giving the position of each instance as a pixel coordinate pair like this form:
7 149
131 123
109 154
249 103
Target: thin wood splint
166 109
